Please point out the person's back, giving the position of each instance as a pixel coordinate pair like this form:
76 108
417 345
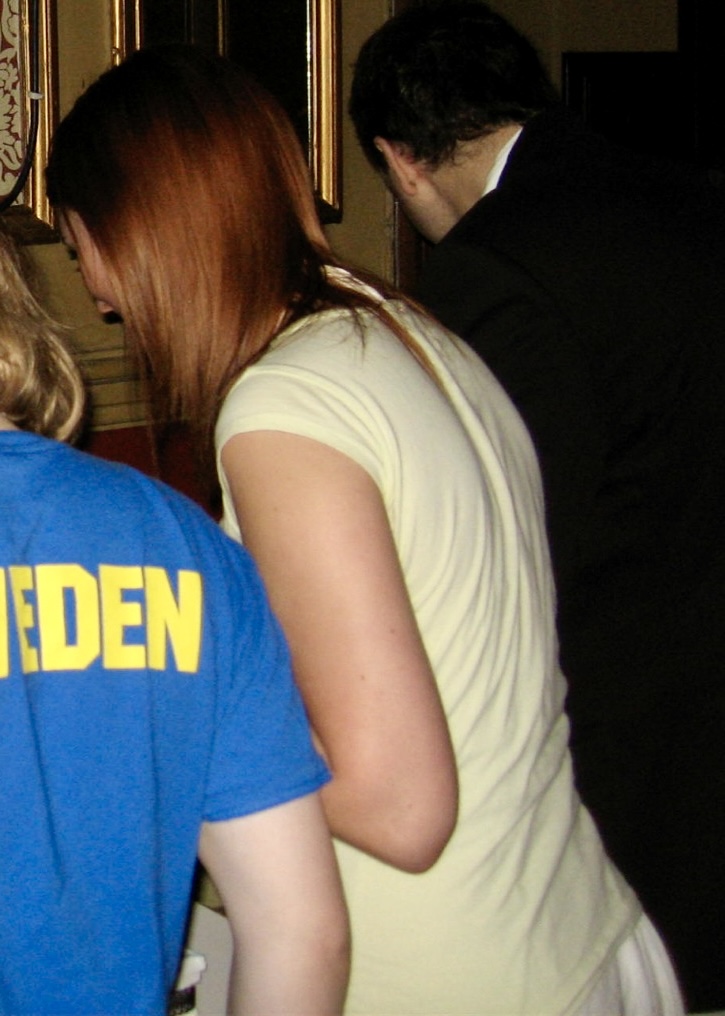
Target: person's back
149 716
358 445
457 468
618 374
132 711
590 281
619 259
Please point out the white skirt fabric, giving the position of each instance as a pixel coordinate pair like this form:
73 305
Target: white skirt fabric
640 981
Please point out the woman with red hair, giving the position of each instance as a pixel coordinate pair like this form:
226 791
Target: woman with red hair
391 496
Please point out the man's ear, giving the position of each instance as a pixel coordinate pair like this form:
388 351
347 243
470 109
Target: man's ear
404 170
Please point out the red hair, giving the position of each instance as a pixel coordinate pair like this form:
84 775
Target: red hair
194 187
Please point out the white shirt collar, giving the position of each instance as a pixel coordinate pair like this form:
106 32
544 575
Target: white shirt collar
498 167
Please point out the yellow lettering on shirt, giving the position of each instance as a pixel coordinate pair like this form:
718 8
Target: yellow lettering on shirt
21 583
119 614
169 620
61 617
53 584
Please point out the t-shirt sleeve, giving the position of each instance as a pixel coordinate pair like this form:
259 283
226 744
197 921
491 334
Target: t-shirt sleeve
262 752
318 389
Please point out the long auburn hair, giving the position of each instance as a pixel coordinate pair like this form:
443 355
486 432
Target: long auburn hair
193 185
41 388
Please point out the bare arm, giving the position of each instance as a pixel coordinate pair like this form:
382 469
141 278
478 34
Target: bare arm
277 877
316 524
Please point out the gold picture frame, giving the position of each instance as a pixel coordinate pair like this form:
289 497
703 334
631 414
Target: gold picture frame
125 28
30 216
212 24
325 115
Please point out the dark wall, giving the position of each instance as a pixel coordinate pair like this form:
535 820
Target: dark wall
702 45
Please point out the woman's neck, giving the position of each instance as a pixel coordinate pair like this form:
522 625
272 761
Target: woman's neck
6 424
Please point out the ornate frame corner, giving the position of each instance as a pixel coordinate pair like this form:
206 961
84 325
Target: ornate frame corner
30 217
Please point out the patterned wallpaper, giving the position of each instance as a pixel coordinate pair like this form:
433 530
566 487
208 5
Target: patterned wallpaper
11 106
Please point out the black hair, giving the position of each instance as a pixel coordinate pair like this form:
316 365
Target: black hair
444 72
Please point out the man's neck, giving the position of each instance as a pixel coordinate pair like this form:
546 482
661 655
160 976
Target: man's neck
461 181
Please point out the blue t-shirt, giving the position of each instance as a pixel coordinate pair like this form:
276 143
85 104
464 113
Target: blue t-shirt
144 687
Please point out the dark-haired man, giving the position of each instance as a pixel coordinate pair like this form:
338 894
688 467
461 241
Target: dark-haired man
593 284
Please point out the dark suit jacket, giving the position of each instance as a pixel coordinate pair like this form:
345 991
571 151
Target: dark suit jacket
593 284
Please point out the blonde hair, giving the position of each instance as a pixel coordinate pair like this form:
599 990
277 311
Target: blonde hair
41 388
